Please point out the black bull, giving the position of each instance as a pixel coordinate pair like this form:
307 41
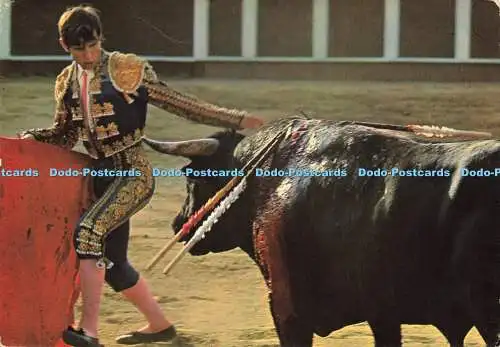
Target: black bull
346 248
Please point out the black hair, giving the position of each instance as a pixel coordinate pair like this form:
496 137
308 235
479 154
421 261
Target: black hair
79 25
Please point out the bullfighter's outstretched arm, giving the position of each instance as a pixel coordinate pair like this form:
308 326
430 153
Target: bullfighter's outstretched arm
61 133
161 95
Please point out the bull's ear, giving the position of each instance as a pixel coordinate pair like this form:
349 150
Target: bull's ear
189 148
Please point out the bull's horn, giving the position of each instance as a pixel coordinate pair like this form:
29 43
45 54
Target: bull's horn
189 148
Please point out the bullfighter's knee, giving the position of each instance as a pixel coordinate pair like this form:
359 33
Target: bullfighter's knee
87 243
121 276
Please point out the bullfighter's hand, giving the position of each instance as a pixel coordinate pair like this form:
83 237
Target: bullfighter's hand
28 137
251 122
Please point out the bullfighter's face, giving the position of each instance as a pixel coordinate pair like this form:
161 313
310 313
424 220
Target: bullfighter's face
87 55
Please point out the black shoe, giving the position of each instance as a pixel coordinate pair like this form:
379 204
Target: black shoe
138 337
77 338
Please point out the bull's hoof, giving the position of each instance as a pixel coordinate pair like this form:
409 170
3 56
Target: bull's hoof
136 337
77 338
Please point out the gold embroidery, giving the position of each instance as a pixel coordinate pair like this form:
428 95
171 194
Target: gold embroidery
125 197
189 107
61 86
89 220
85 234
150 74
107 108
132 154
104 132
60 133
98 110
130 198
95 84
127 141
89 243
126 71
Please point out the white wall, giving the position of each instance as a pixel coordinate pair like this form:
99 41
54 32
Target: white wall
5 29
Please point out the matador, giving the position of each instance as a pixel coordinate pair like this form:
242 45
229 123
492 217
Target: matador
103 102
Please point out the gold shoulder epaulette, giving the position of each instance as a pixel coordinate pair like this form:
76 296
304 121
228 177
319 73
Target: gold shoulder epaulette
126 71
62 82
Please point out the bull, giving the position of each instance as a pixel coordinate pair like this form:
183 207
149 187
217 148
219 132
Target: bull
340 241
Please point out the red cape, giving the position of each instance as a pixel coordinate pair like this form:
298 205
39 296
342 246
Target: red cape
38 265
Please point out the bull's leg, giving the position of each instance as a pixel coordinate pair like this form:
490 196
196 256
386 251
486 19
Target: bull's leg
488 329
455 338
455 330
275 232
386 333
292 331
485 311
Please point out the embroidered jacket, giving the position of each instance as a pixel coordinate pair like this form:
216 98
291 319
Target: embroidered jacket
122 86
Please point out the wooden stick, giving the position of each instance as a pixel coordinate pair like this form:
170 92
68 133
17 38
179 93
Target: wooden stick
178 257
163 251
